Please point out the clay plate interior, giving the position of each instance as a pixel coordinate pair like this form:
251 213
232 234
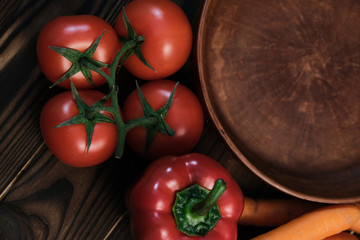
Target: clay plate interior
281 82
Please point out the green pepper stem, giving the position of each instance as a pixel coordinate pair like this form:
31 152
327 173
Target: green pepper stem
203 207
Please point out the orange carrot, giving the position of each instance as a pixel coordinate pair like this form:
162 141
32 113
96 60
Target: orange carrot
356 226
274 212
318 224
342 236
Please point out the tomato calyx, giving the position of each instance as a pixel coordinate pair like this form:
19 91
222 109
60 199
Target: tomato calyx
88 115
132 36
195 209
153 121
80 61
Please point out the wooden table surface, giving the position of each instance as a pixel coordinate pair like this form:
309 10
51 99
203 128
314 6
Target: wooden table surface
41 198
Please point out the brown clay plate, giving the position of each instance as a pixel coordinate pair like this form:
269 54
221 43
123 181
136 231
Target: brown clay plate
281 82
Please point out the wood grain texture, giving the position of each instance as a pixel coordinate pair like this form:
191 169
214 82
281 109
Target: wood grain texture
281 82
60 202
41 198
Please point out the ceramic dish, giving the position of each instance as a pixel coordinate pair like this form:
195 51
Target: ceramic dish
280 80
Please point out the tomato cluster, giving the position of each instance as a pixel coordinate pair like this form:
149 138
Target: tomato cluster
83 126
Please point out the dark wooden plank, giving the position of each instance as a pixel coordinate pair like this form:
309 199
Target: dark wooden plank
54 201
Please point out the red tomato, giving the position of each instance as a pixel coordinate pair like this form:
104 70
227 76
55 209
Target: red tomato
69 143
168 37
185 117
75 32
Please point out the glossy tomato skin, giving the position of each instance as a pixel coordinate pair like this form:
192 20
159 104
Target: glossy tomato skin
185 117
168 37
75 32
69 143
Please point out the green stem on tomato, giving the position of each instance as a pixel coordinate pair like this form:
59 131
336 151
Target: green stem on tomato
122 128
141 122
120 125
110 79
114 65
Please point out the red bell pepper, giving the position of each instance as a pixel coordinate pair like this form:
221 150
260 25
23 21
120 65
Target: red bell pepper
194 186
